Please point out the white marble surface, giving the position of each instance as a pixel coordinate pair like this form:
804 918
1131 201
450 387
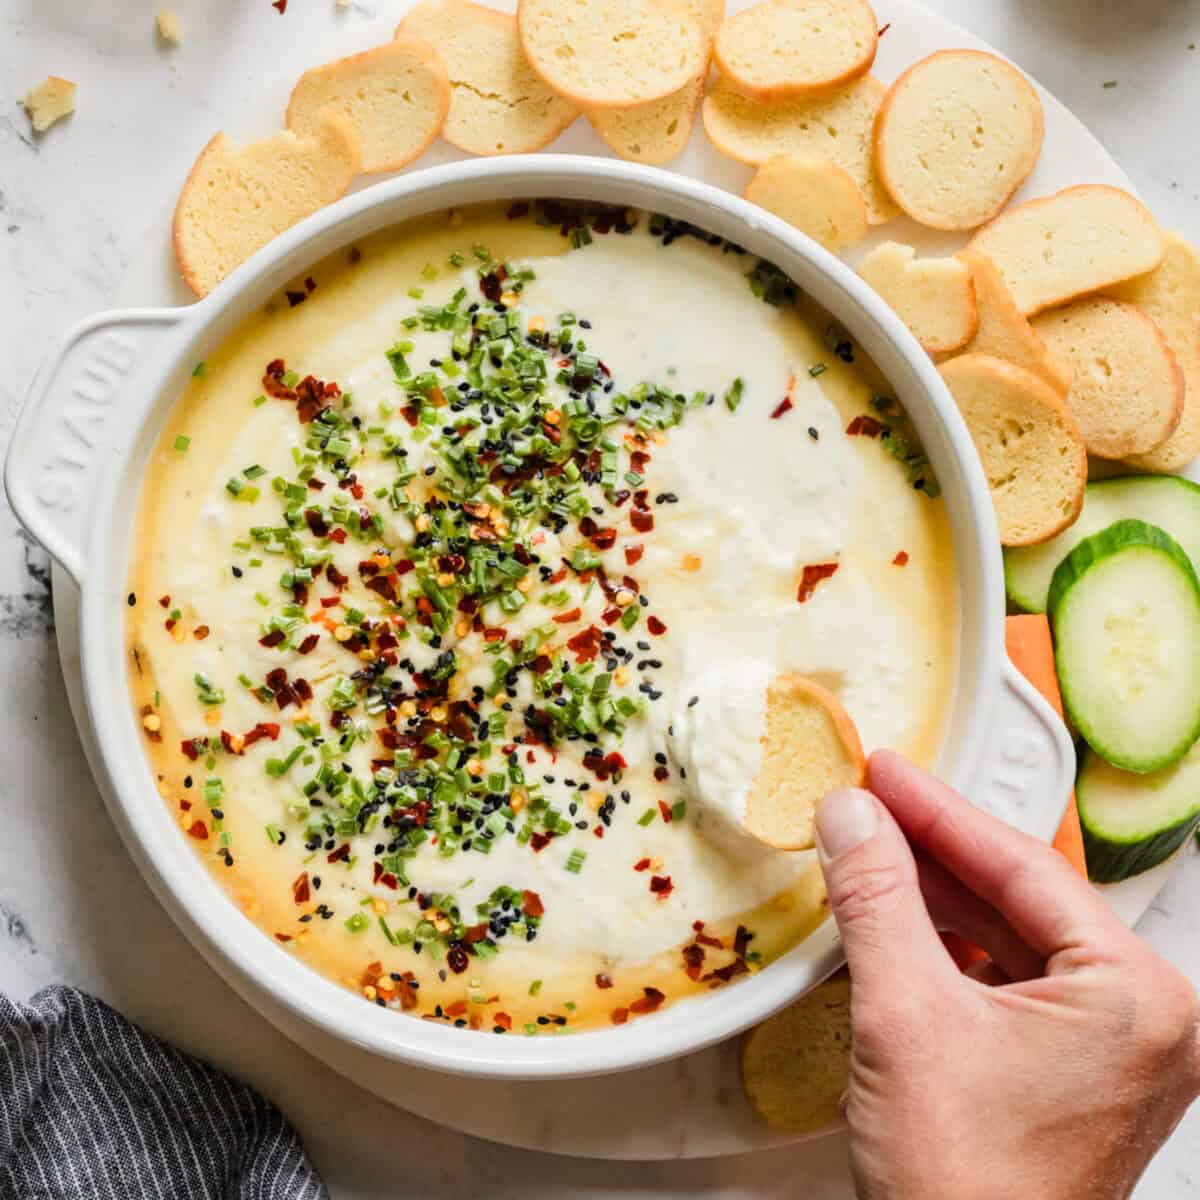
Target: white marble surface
74 207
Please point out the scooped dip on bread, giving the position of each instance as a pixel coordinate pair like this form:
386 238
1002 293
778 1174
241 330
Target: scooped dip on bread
483 577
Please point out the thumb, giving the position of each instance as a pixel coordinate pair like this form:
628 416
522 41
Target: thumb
875 894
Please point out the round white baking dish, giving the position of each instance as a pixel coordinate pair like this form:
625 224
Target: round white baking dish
73 476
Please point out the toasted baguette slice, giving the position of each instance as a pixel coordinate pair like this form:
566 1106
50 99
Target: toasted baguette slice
810 749
1028 441
708 14
1004 332
781 49
652 133
612 53
956 135
1081 240
835 126
796 1065
820 199
1170 297
237 198
395 96
934 297
1127 393
50 101
498 104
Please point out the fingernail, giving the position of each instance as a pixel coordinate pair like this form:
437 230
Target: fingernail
845 819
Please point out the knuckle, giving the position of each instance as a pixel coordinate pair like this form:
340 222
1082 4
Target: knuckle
1170 1021
867 892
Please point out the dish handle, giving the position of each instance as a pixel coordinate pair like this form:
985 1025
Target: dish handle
65 436
1027 768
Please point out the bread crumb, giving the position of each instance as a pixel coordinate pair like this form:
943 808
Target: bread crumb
169 29
50 101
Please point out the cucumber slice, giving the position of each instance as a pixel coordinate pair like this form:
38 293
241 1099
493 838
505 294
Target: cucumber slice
1125 610
1167 501
1133 822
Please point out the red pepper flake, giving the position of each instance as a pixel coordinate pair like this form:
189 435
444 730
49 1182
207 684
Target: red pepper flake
633 554
703 938
884 28
661 886
865 426
165 601
341 854
539 841
619 1016
200 632
503 1020
693 959
642 864
611 615
813 575
198 830
651 999
655 626
283 937
531 904
784 406
280 6
603 981
406 985
567 617
271 639
665 809
661 773
193 747
337 535
301 892
264 729
585 645
901 559
309 644
641 520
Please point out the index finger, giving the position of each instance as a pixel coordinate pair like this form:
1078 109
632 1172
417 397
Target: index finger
1047 903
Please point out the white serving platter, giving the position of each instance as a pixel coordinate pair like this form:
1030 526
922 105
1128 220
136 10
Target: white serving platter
692 1107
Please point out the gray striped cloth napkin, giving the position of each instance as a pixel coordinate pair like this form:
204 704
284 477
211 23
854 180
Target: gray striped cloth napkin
93 1108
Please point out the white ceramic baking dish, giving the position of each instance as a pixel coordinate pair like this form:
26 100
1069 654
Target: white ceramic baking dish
73 476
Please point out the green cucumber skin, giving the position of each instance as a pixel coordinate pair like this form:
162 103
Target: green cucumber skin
1110 861
1090 552
1025 594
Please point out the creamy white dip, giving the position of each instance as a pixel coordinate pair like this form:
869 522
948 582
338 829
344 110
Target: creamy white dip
742 501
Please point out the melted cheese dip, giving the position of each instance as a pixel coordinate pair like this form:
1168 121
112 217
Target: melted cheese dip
507 793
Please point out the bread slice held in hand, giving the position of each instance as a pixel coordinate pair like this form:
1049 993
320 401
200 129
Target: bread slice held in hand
835 126
612 53
810 749
818 198
237 198
395 96
498 103
934 297
796 1065
1170 297
957 134
1004 331
1028 441
1127 391
780 49
1078 241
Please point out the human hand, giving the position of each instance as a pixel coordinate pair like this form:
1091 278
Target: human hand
1054 1071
